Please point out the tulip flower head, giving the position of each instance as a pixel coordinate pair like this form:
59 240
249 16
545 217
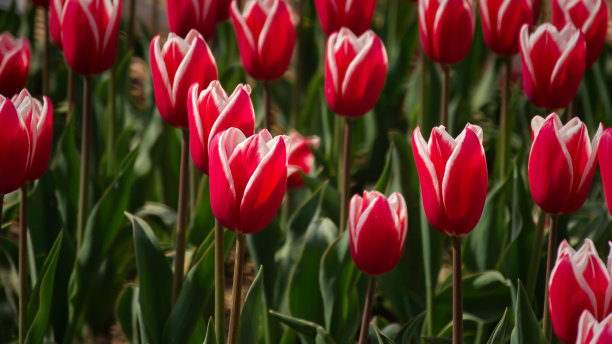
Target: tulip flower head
579 281
590 16
14 147
553 64
501 22
300 157
212 111
175 66
562 163
447 29
201 15
266 37
590 331
453 176
56 7
355 72
604 155
14 63
353 14
378 228
248 179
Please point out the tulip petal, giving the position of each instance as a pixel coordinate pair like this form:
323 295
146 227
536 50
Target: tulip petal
15 146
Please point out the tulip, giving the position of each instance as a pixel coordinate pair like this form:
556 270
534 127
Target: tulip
55 12
579 281
175 66
562 163
590 16
453 175
300 158
211 112
590 331
447 29
266 37
14 147
604 155
15 63
201 15
355 72
553 64
378 229
89 34
352 14
501 22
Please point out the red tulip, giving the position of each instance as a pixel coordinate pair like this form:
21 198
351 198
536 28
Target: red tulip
39 122
211 112
55 12
590 331
501 22
175 67
447 29
90 30
300 157
377 227
578 282
553 64
248 179
201 15
590 16
353 14
453 175
604 155
14 147
355 72
266 37
14 63
562 163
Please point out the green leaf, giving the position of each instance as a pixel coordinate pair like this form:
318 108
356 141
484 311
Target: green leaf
254 315
331 197
383 182
210 333
127 313
411 332
500 333
382 339
526 326
307 328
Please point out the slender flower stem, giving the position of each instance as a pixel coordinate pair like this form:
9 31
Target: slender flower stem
181 223
267 106
550 259
1 208
69 94
236 290
503 118
130 36
570 110
534 262
423 86
299 65
445 95
23 264
85 143
45 66
346 172
367 312
110 140
219 284
154 19
457 293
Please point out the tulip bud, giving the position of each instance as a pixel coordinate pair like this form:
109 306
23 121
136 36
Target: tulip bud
501 22
378 228
447 29
453 175
175 66
590 331
248 179
579 281
590 16
604 155
355 15
355 72
90 30
300 158
266 37
211 112
14 63
14 148
55 13
201 15
553 64
562 163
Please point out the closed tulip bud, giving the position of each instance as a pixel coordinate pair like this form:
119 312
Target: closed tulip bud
453 176
502 21
14 63
447 29
55 13
14 148
352 14
590 16
378 228
90 31
355 72
604 155
201 15
300 158
266 37
175 66
579 281
562 163
590 331
211 112
553 64
248 179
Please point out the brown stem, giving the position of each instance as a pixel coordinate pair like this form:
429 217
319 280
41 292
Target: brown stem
346 172
130 37
267 106
69 94
503 117
154 20
23 263
457 293
570 110
236 291
367 312
445 95
219 284
181 222
45 66
550 259
85 143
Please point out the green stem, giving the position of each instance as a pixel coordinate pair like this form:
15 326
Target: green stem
23 264
236 290
550 259
503 118
1 209
45 66
110 140
367 312
181 222
69 94
423 86
219 284
85 143
299 65
457 293
445 95
346 172
267 123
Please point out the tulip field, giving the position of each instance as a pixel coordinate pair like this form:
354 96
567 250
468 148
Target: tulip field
298 171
